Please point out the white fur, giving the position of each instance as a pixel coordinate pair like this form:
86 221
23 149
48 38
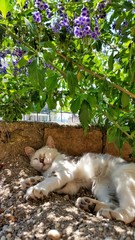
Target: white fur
111 179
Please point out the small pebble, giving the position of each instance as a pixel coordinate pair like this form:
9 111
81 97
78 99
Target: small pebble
53 234
3 238
66 197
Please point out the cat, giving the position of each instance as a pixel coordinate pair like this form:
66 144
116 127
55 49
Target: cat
111 180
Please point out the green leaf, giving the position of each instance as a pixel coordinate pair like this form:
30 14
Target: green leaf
114 135
92 100
5 7
23 61
98 45
51 82
133 31
36 74
111 62
119 21
75 105
51 103
124 100
133 148
72 82
125 128
111 114
85 114
119 140
21 2
49 53
111 134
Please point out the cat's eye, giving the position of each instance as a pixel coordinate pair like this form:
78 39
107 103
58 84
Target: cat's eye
35 158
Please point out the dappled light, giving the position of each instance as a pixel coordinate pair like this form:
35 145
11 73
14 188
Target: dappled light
27 219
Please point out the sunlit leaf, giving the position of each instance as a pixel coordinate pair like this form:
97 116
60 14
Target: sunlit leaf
5 7
21 2
124 100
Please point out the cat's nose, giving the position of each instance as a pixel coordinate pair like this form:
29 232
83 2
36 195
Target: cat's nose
41 160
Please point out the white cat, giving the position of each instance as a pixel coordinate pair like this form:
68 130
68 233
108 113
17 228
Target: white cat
111 179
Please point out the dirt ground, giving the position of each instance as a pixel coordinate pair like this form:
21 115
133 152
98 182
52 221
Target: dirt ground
24 220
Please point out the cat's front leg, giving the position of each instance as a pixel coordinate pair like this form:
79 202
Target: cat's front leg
36 192
52 182
26 183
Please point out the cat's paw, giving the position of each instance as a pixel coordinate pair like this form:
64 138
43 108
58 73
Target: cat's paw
26 183
36 193
86 204
106 213
111 214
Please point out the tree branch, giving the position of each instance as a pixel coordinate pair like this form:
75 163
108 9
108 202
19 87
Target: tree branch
14 36
96 75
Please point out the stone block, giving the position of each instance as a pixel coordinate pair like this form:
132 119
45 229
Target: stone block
73 141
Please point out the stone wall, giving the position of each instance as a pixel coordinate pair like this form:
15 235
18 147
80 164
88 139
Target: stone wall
68 139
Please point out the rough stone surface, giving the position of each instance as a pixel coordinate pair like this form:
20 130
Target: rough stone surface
73 140
112 149
14 137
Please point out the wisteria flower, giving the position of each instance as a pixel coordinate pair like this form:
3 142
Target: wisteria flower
78 32
37 16
85 12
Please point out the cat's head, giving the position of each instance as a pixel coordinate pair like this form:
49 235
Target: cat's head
42 159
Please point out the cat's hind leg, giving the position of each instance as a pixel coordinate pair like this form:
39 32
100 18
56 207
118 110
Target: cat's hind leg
26 183
91 205
124 179
124 215
106 210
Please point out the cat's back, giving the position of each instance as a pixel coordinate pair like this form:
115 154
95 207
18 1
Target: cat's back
126 169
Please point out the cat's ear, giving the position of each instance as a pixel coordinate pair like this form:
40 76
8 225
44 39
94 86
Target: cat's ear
29 151
50 142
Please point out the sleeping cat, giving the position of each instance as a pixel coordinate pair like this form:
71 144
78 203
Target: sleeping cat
111 179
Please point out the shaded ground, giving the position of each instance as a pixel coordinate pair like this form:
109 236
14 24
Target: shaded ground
32 220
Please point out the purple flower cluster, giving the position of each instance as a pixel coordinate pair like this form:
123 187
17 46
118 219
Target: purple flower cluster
42 6
16 56
18 53
61 21
82 26
101 9
26 4
47 65
37 16
3 70
3 62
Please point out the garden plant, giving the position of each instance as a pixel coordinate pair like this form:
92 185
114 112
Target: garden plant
75 54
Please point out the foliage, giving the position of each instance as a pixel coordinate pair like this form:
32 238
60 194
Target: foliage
79 54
